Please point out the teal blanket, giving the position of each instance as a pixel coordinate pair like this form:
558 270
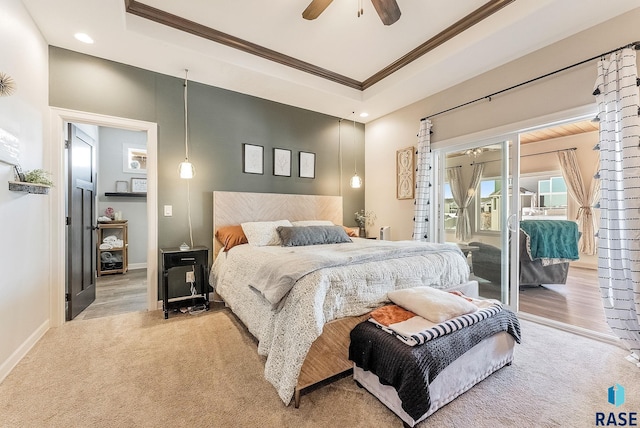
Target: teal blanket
553 239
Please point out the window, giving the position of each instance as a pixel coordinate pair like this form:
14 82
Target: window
489 212
450 209
552 193
547 198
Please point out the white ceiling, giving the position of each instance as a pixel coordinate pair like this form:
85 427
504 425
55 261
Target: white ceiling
338 41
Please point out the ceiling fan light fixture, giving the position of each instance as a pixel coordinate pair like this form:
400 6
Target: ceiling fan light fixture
387 10
475 152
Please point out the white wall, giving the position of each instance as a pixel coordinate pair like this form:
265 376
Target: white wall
568 90
24 218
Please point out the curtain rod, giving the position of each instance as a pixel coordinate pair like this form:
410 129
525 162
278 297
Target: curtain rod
550 151
635 45
531 154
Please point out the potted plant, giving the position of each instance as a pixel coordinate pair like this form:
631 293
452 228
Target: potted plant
38 176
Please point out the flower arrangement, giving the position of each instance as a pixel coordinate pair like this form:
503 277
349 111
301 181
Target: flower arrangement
109 212
364 218
38 176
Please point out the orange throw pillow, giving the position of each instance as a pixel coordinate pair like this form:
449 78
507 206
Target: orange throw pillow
230 236
350 232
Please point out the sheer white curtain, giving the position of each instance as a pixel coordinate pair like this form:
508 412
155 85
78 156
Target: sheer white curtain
463 195
423 183
619 235
584 198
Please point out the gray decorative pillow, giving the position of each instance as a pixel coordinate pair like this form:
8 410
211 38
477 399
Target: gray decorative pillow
311 235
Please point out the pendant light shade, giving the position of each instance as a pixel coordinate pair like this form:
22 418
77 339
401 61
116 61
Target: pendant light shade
356 181
186 168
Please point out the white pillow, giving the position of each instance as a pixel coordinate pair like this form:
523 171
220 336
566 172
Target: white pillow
435 305
263 233
312 223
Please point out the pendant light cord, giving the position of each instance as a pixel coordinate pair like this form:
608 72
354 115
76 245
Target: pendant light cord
355 153
186 117
340 153
189 212
186 152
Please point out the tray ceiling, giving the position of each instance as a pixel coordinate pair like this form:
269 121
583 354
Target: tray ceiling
337 41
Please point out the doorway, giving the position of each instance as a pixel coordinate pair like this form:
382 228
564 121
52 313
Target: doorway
572 305
575 300
476 207
59 119
119 256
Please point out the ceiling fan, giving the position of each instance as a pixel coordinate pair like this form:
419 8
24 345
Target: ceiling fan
388 10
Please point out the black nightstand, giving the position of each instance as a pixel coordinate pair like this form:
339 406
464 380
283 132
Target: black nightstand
198 257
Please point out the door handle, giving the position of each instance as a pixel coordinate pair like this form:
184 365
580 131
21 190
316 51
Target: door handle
512 222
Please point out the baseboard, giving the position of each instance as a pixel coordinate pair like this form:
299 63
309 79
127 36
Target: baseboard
134 266
13 360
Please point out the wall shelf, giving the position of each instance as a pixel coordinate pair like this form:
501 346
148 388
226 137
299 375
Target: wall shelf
21 186
126 194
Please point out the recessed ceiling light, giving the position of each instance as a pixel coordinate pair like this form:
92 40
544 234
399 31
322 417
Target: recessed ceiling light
84 38
364 114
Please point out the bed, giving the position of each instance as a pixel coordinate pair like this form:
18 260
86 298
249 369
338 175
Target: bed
305 336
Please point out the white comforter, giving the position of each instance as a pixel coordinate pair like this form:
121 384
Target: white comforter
286 334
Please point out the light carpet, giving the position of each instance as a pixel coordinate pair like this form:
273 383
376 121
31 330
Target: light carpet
139 370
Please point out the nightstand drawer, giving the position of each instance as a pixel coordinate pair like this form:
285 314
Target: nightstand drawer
184 258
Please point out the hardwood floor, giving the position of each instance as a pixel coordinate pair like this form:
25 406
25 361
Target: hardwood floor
118 294
576 303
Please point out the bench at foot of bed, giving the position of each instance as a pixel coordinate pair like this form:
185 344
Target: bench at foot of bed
461 375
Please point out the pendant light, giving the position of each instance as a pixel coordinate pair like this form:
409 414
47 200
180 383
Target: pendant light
186 168
356 181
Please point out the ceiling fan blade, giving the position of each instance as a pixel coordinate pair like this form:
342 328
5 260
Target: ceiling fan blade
388 10
315 8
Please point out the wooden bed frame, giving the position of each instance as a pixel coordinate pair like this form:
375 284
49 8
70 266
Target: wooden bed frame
329 354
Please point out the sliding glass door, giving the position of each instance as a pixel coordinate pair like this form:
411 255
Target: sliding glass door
477 209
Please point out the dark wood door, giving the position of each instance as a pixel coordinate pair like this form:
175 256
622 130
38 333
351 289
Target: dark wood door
81 284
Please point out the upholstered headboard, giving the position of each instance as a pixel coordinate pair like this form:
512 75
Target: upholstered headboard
231 208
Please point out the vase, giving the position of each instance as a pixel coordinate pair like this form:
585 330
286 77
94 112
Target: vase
362 231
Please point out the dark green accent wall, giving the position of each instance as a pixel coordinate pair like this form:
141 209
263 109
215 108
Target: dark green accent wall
220 121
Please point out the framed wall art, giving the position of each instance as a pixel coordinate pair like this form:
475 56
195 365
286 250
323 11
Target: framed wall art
405 167
282 162
134 158
252 159
307 165
122 186
138 185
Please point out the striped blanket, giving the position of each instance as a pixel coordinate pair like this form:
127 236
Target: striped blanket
414 330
